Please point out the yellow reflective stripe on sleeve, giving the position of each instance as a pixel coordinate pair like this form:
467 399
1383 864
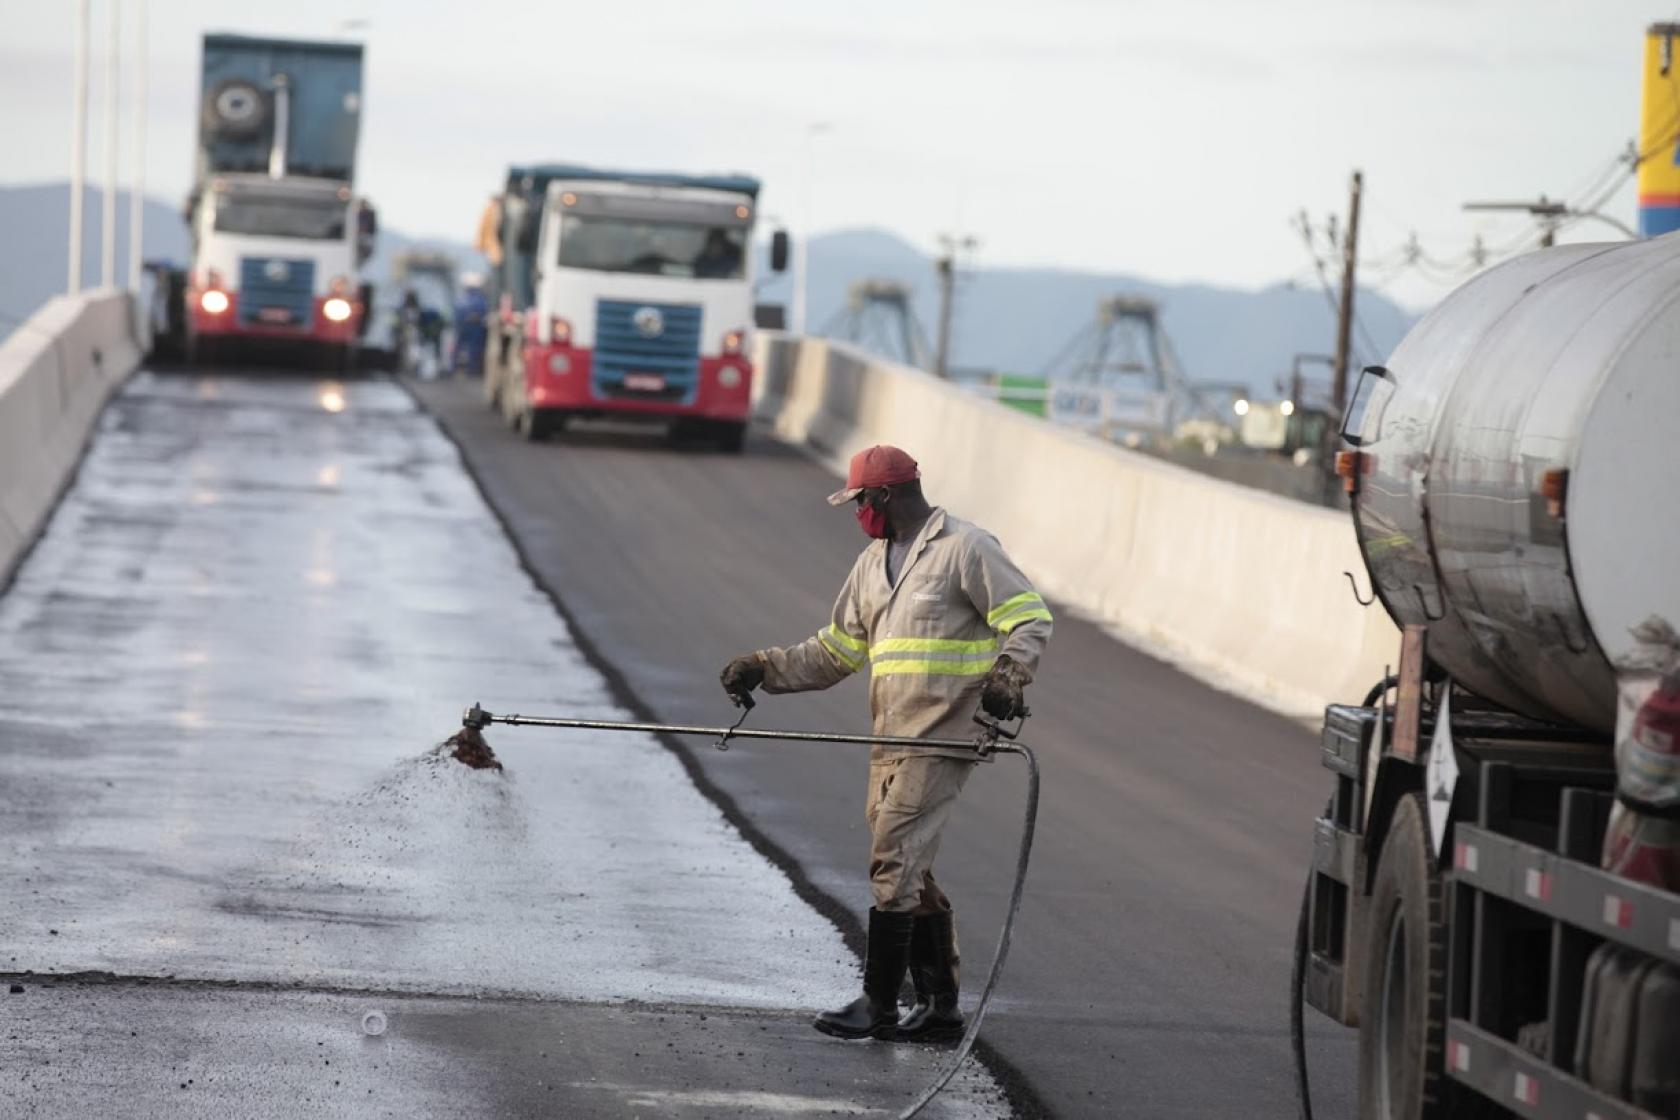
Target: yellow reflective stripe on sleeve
850 660
1015 620
932 645
932 668
856 645
1011 605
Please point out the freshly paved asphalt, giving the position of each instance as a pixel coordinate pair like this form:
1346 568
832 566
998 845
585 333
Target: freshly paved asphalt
224 835
1149 974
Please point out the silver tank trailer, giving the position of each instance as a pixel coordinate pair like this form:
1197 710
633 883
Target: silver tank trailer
1520 470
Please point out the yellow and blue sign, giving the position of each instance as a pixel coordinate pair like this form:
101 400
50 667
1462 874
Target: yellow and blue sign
1659 133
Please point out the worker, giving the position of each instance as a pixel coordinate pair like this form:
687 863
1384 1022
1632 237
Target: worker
944 619
472 313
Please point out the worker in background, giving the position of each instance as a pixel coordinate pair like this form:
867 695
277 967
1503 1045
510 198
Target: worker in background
944 619
472 311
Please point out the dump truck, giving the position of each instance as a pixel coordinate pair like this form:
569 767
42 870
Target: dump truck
1493 897
622 294
278 234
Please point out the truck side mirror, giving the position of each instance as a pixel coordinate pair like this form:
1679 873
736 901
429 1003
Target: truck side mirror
779 247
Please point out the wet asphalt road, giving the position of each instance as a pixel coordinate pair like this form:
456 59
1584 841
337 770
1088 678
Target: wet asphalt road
221 673
1150 969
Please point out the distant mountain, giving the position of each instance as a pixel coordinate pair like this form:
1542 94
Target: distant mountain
1012 319
35 231
1019 319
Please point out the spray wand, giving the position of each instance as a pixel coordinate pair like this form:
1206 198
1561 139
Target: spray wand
993 738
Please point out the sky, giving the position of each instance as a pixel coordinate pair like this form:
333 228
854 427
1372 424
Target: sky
1171 139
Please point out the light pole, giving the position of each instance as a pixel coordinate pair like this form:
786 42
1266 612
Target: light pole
108 209
137 191
802 248
78 147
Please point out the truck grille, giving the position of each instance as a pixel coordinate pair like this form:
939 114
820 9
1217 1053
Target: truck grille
626 347
269 297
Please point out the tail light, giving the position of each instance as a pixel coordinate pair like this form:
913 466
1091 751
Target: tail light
732 341
559 332
1554 487
1349 466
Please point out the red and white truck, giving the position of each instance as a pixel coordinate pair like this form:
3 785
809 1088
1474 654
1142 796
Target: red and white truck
626 294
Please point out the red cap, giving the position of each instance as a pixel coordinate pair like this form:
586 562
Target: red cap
880 465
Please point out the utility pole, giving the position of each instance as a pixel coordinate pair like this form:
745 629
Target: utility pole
949 245
78 146
1550 214
1344 315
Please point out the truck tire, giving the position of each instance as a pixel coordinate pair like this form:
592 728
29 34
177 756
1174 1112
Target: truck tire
731 436
235 109
1403 1026
536 424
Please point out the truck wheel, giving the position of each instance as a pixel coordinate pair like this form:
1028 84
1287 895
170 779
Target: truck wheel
1403 1025
536 424
731 436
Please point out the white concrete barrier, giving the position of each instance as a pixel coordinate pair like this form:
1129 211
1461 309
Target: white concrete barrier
56 372
1239 586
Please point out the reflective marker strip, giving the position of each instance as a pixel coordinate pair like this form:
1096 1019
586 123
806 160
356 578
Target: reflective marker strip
853 661
932 645
1464 856
1011 605
857 645
1537 884
1618 912
933 668
1025 616
1526 1089
1461 1057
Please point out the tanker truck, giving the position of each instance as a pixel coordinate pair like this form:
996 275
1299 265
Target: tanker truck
278 234
622 294
1492 899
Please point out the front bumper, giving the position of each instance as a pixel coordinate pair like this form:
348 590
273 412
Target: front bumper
560 378
226 324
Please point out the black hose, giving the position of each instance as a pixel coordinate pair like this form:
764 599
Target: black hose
477 718
1379 688
1028 824
1297 1005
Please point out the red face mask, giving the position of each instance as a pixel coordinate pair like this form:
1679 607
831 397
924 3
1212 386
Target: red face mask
872 519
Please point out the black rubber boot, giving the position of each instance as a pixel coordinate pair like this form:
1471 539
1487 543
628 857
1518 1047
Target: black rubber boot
875 1013
935 969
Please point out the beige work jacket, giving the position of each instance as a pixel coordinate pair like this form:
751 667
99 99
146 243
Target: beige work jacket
928 640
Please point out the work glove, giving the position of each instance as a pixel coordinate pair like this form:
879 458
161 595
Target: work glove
741 676
1001 694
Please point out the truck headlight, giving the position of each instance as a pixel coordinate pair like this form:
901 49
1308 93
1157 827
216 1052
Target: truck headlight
213 302
559 364
729 377
336 309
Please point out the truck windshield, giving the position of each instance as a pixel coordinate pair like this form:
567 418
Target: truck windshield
268 216
654 248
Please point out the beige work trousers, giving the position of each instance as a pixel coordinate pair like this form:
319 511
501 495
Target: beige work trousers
910 799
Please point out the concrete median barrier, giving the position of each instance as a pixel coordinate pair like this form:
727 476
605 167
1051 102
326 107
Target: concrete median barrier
56 372
1241 587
